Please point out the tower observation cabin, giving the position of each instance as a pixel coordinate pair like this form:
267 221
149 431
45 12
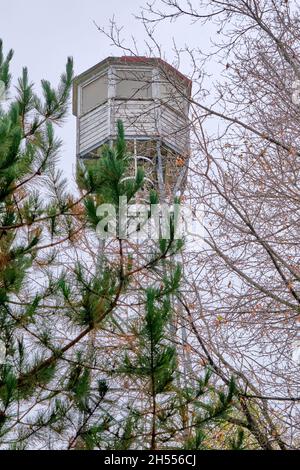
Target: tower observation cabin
151 98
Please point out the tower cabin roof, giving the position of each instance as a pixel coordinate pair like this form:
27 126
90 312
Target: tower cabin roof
157 62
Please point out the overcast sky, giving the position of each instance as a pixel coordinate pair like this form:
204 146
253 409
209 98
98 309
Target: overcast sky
43 34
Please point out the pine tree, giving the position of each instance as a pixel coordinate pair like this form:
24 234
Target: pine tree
91 357
155 362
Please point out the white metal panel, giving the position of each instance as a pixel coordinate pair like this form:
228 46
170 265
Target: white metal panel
174 129
138 117
93 128
141 118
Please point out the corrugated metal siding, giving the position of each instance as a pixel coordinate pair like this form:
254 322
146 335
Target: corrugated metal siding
141 118
93 128
174 129
138 117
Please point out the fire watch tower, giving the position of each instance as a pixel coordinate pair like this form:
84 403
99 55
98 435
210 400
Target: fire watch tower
152 99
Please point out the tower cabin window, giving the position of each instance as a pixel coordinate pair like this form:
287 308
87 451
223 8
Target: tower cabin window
174 96
94 93
133 84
